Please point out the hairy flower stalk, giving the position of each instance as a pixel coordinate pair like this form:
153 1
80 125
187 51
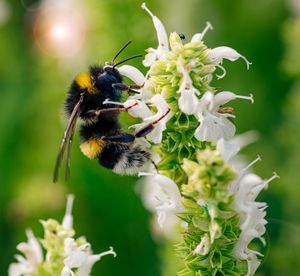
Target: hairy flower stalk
197 183
65 255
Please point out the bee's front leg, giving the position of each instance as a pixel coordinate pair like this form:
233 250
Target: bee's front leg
122 87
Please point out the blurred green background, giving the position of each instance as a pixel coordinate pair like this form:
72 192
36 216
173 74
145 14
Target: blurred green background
38 62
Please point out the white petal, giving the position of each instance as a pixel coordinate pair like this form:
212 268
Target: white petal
75 256
66 271
155 136
253 264
170 187
246 138
227 96
219 53
213 128
160 103
150 58
227 149
250 186
206 103
140 110
199 36
188 102
68 218
160 30
132 73
86 268
165 198
162 108
31 250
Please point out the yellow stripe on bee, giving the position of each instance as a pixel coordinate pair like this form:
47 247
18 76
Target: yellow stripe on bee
92 148
84 81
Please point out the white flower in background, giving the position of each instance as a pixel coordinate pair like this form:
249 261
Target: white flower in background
227 149
5 12
80 257
63 252
68 218
188 100
163 43
162 195
214 123
33 257
252 217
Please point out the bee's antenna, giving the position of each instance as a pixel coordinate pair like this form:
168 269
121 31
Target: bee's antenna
135 56
121 50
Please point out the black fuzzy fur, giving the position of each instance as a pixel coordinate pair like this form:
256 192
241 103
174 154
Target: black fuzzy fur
106 124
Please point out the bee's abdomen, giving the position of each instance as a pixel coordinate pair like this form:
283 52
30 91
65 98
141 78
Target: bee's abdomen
124 159
92 148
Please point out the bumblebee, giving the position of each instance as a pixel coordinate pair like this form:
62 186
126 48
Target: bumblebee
100 132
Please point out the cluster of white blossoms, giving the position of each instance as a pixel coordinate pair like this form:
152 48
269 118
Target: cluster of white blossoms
206 107
178 85
5 12
65 255
245 189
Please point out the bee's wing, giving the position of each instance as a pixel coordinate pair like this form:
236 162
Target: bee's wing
67 139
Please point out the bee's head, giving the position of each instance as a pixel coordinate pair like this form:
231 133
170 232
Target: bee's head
107 77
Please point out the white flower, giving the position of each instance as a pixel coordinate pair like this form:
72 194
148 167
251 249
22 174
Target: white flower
214 124
33 256
227 149
163 43
81 258
217 55
163 196
199 36
68 218
188 100
252 217
5 12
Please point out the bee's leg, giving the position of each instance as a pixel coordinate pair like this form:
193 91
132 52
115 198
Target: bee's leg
96 113
129 138
148 128
121 138
122 87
